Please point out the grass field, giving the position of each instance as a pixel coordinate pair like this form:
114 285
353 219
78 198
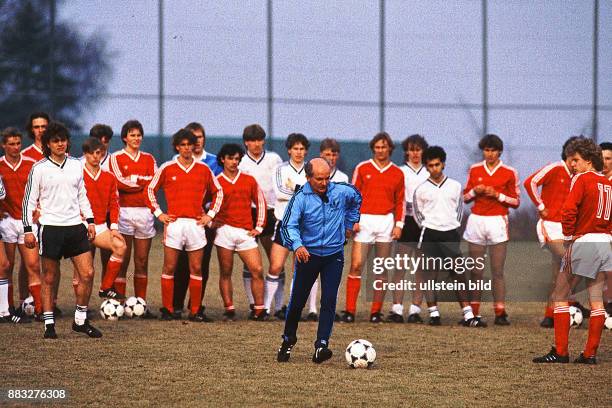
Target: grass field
154 363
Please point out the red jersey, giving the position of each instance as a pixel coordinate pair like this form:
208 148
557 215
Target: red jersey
382 190
33 152
554 179
15 180
133 176
504 179
238 194
185 189
587 207
102 195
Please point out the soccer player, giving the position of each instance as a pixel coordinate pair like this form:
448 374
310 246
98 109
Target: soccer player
36 127
261 164
415 173
493 187
288 178
315 225
586 229
134 170
606 151
185 182
381 184
14 170
56 184
102 193
237 232
554 181
181 276
438 209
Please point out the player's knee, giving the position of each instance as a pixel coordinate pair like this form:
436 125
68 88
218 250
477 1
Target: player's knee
119 250
141 262
257 272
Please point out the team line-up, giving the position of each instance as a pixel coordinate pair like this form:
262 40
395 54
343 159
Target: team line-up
59 206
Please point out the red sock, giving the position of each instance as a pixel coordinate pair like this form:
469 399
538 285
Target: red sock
499 308
10 294
195 292
376 307
562 328
353 284
112 270
35 291
596 324
167 287
119 285
475 308
140 286
548 312
259 309
75 285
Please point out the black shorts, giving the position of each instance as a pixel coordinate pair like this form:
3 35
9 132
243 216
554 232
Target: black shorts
411 231
276 238
57 242
443 244
268 230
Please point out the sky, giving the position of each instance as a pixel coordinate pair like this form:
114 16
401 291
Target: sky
540 53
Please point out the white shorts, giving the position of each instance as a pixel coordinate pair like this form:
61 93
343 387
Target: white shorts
234 239
136 221
184 233
100 228
375 228
589 255
12 230
486 229
549 231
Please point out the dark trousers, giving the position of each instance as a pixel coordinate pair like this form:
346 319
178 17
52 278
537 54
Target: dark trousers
181 275
305 275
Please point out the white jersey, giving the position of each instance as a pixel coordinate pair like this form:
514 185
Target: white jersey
412 178
59 190
438 206
287 178
263 169
104 162
338 177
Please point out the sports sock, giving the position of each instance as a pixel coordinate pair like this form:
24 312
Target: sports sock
119 285
246 279
259 309
4 303
35 292
475 308
312 298
112 270
167 286
270 291
499 308
596 324
48 318
280 291
140 286
548 312
353 285
468 313
229 307
414 309
562 328
80 315
397 308
195 292
433 311
376 307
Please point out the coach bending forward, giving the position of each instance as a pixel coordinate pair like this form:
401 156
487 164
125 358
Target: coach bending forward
314 227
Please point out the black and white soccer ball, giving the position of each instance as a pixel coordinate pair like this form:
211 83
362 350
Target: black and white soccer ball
576 317
111 309
28 306
608 322
135 306
360 354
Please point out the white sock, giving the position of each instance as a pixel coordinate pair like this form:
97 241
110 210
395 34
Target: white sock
48 318
280 291
397 308
4 303
80 315
246 279
270 291
433 311
414 309
467 313
312 298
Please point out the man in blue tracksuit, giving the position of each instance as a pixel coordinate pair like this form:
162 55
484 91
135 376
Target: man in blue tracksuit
314 227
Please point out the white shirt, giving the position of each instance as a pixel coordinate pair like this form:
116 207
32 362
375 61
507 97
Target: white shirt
263 169
438 206
338 177
59 190
286 179
412 178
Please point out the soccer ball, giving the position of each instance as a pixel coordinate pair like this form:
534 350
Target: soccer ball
360 354
135 306
28 306
111 309
575 316
608 322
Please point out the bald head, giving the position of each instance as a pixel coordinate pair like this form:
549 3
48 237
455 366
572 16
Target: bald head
317 172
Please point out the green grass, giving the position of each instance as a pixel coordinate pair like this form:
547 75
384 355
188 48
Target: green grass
153 363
